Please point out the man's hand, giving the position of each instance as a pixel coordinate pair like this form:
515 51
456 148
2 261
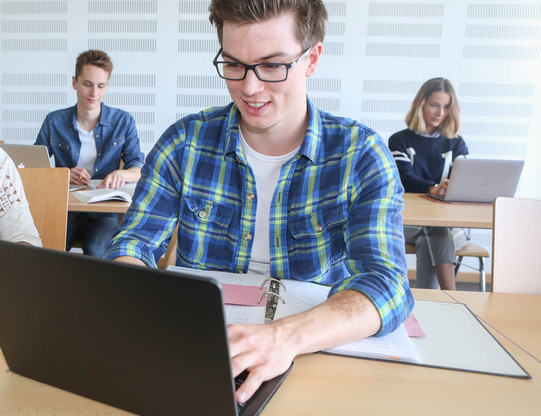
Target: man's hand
114 180
118 178
79 176
268 350
263 351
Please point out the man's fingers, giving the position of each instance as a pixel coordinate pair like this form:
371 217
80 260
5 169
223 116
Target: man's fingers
250 386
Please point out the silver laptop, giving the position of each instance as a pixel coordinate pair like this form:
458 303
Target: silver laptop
27 155
144 340
482 180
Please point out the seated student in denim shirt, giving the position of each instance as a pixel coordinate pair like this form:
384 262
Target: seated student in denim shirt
91 139
270 184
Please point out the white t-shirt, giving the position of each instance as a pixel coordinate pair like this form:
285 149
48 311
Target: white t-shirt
267 172
88 153
16 223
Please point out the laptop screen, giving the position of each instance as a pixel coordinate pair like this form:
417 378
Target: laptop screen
148 341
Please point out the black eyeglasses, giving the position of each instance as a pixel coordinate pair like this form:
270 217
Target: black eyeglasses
267 71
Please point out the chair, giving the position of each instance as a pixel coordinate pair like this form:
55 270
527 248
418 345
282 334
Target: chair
47 192
170 256
469 250
516 246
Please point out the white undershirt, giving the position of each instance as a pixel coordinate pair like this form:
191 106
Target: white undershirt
88 153
267 172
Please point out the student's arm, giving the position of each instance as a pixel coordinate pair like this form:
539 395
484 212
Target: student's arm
410 179
130 260
152 217
16 222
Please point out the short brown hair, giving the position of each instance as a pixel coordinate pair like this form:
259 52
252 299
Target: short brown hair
93 57
415 121
311 16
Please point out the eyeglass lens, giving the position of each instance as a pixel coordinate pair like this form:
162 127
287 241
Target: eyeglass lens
265 72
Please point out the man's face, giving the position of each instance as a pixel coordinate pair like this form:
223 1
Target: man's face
91 86
268 107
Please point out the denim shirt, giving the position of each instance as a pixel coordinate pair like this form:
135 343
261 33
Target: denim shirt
115 134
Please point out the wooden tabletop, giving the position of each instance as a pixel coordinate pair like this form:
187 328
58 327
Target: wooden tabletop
115 207
419 209
329 385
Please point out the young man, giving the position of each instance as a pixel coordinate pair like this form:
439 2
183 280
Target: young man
91 139
273 185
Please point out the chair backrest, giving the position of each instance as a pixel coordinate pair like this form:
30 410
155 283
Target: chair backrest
516 246
170 257
47 191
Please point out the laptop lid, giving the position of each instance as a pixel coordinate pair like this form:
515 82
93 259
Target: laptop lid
27 155
482 180
148 341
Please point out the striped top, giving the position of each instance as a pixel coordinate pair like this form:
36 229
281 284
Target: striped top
335 217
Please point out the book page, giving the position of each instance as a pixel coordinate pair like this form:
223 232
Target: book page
128 187
99 195
301 296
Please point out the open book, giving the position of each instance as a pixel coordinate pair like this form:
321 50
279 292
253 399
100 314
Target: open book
288 297
95 194
99 195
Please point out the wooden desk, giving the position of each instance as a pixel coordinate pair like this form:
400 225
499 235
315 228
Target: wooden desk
328 385
116 207
420 209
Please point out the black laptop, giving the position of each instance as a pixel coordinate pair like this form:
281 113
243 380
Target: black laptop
147 341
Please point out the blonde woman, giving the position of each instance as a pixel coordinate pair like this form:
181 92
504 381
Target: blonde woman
424 154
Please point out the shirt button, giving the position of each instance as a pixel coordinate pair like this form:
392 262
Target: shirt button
238 160
202 214
318 228
250 197
248 237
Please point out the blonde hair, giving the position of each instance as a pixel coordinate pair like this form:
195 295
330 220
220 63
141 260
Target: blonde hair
415 121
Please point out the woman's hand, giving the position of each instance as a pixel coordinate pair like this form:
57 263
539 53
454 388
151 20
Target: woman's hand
439 189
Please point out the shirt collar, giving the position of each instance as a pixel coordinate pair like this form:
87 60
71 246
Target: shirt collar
310 146
434 135
105 115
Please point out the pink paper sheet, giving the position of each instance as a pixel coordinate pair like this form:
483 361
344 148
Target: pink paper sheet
413 328
243 295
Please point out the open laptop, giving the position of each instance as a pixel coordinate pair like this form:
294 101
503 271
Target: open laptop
147 341
482 180
27 155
